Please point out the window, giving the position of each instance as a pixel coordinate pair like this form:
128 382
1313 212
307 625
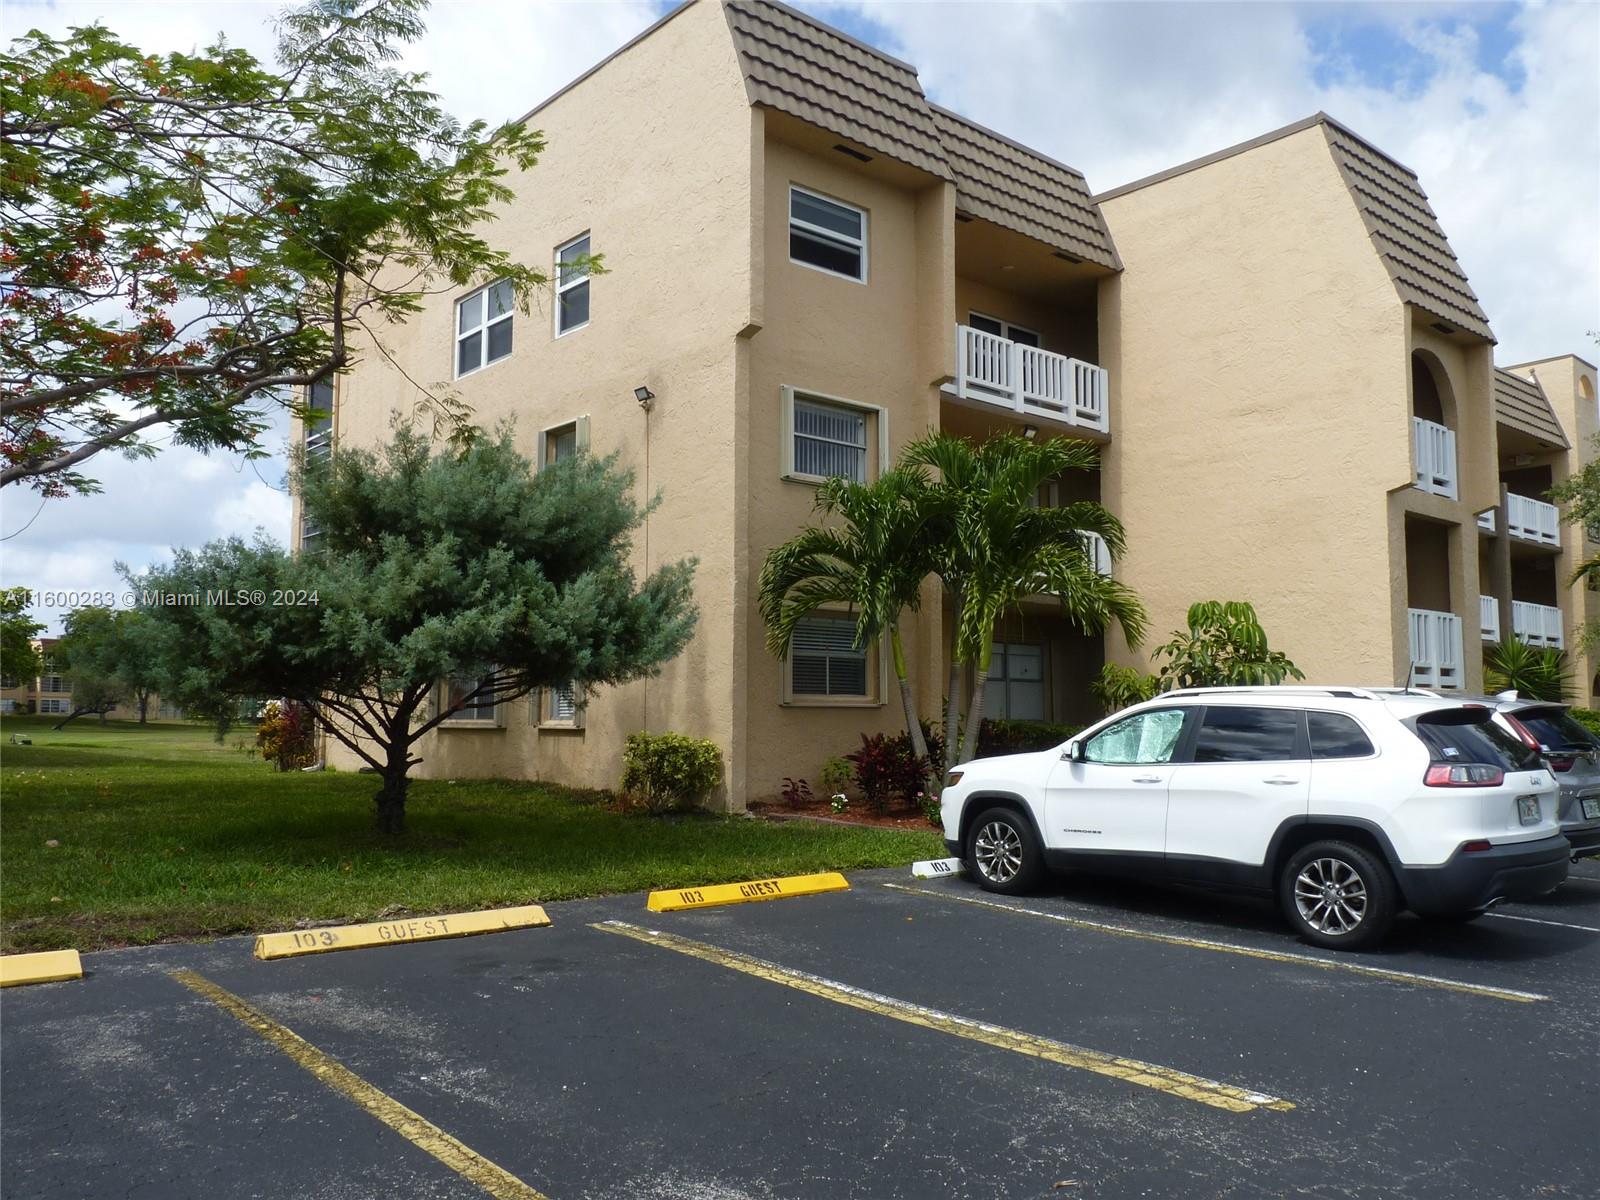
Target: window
1248 735
1005 329
479 710
1015 690
1147 737
827 235
483 327
561 442
318 434
1334 735
1556 730
558 707
825 436
52 683
572 285
824 659
52 706
1467 735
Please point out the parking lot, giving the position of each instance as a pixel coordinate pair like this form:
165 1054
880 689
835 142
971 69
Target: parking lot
902 1039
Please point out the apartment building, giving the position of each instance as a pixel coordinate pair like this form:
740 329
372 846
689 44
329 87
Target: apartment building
809 264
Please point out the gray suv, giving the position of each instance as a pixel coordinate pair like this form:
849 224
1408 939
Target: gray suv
1574 757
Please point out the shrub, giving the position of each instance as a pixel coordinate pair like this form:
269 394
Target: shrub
1534 673
1589 718
666 771
796 792
887 767
838 776
1021 737
287 735
1223 646
929 803
1117 687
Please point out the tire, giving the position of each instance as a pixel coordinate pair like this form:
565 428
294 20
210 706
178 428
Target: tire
1002 853
1337 895
1457 918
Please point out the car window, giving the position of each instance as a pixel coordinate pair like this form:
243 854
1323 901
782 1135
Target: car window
1147 737
1334 735
1467 735
1229 734
1556 729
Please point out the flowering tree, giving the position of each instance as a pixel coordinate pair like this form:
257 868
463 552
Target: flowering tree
186 240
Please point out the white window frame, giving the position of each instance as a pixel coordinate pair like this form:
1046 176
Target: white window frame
460 722
571 284
544 712
1007 328
829 234
875 416
482 328
877 676
580 425
54 706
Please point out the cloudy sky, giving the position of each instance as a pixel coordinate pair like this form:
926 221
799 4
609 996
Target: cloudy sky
1496 106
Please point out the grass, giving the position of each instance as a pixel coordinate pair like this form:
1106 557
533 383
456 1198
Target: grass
165 835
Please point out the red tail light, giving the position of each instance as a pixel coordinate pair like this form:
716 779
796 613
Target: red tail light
1476 847
1464 775
1562 764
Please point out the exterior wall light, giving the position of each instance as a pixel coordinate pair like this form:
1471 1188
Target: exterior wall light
1030 432
645 397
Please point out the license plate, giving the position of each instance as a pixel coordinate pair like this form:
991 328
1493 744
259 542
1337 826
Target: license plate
1591 808
1528 809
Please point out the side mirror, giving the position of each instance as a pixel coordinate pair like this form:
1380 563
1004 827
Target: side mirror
1073 752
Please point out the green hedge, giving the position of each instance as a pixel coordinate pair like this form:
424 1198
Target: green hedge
1589 718
667 771
1021 737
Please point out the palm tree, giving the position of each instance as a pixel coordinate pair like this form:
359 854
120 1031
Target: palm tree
1004 547
874 563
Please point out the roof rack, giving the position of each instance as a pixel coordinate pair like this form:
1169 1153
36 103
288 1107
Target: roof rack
1290 689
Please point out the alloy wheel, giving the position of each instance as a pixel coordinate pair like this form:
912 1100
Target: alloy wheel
1331 896
998 850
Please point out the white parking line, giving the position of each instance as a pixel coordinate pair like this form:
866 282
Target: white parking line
1172 939
1541 921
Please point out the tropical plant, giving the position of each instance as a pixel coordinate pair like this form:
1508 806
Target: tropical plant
1533 672
664 772
1223 646
286 735
1117 687
435 562
874 563
796 792
190 238
1002 547
889 766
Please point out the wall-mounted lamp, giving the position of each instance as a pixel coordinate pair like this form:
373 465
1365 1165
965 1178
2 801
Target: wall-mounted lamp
645 397
1030 432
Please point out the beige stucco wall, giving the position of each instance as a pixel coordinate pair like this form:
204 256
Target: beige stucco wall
1259 405
652 154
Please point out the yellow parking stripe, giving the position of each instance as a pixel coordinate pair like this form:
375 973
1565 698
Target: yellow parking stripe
1162 1079
461 1159
1284 956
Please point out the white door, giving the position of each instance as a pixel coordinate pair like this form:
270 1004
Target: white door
1250 771
1116 799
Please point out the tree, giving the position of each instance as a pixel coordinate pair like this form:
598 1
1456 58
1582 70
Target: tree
1003 547
1223 646
87 656
874 564
19 656
435 562
188 239
121 646
1534 673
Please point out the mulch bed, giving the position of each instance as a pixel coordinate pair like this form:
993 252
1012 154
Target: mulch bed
858 813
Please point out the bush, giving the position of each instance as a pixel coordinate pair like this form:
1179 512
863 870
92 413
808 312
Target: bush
1589 718
838 776
1117 687
886 767
1533 672
1021 737
287 735
666 771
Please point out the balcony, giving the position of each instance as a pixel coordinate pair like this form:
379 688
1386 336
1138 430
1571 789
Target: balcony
1489 618
1537 624
1533 520
1434 457
1031 382
1099 554
1435 648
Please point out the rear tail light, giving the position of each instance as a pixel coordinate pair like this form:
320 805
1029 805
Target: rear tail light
1563 764
1464 775
1476 847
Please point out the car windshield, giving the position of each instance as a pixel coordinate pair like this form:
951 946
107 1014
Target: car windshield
1556 729
1468 735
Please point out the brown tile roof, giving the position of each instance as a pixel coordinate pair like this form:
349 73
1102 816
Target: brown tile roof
1521 403
826 78
1406 231
1003 181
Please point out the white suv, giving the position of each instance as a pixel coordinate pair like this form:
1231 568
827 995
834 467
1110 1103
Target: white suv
1350 804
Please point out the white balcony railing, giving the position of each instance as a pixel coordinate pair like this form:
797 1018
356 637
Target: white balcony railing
1434 457
1533 520
1489 618
1536 624
1435 648
1486 520
1030 381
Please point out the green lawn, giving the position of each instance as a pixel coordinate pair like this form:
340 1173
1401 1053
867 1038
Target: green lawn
163 834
